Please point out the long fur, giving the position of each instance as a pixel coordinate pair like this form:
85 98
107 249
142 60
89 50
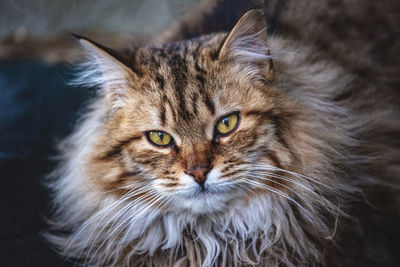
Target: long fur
279 227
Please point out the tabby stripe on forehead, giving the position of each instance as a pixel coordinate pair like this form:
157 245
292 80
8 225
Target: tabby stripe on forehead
209 103
206 97
163 110
201 80
180 69
162 114
199 69
116 149
180 84
196 50
161 81
171 107
182 107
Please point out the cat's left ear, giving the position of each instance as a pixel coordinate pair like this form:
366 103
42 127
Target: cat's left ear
247 42
108 69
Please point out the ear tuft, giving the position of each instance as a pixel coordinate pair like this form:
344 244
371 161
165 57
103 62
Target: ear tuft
106 68
247 42
121 58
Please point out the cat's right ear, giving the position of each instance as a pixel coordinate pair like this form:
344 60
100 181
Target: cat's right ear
247 42
106 68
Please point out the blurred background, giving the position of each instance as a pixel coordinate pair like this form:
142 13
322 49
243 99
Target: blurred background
41 29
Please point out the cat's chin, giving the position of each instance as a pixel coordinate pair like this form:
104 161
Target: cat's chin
205 202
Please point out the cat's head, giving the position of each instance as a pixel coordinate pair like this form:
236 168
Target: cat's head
217 138
197 126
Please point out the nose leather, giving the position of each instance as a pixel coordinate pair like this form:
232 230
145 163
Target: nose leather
199 173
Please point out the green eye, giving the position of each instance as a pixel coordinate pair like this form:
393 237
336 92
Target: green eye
159 138
227 124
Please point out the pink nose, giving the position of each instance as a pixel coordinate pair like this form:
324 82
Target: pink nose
199 173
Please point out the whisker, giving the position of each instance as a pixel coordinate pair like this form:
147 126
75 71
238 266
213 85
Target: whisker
320 197
306 212
117 228
283 185
298 175
159 206
274 191
129 205
248 189
102 213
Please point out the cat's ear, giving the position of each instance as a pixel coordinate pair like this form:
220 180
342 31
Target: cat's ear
247 42
106 68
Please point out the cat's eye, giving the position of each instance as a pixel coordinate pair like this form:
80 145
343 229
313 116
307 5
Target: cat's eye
159 138
227 124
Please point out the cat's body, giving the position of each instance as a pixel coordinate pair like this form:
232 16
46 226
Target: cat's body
299 180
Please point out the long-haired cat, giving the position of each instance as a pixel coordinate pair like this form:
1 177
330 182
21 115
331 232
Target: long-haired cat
236 149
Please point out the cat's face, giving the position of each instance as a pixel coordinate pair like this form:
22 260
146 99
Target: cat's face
196 126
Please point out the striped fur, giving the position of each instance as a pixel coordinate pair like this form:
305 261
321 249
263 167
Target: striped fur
282 186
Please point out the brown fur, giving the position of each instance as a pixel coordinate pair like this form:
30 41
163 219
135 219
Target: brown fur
301 114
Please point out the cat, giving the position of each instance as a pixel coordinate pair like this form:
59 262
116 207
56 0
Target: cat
228 149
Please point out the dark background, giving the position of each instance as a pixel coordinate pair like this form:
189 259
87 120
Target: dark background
37 109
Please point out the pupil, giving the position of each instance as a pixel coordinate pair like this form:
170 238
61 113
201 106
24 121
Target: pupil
160 135
226 121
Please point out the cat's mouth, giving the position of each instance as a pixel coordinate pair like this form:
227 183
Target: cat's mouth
205 199
202 192
206 189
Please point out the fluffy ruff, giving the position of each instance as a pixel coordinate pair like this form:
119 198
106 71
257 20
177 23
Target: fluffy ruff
296 226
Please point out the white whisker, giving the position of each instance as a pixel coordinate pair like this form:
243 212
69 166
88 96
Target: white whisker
298 175
126 207
122 223
99 216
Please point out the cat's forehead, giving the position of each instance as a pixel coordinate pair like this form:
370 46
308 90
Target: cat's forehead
179 78
185 88
183 57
